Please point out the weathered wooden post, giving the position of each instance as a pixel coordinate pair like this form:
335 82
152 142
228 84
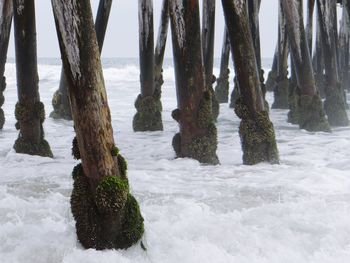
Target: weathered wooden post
222 82
318 63
148 116
293 95
160 47
256 130
309 23
272 75
102 17
106 214
344 35
6 13
235 93
198 136
281 89
253 8
335 105
208 35
60 100
310 110
253 13
29 112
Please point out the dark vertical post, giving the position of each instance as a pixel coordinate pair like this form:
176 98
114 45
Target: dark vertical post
160 46
198 136
60 100
29 112
334 14
208 35
107 216
222 82
256 130
335 106
309 23
282 81
344 35
6 13
253 12
271 77
293 95
146 47
103 11
148 116
310 111
318 62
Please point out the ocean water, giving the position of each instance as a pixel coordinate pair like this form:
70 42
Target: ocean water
298 211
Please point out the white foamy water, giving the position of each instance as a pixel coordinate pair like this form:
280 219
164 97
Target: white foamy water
298 211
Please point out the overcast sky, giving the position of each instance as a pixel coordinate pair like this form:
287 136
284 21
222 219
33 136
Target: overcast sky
122 33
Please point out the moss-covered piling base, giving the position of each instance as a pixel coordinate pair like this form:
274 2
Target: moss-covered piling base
61 110
149 114
26 114
222 89
335 108
311 114
27 147
202 148
281 92
271 80
257 136
202 144
110 218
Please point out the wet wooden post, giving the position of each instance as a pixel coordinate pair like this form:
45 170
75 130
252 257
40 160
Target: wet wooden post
102 17
148 106
281 89
60 100
272 75
6 13
253 7
335 105
318 63
146 47
160 47
344 35
30 113
198 136
253 13
309 23
310 111
235 93
107 216
256 130
222 82
293 95
208 35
